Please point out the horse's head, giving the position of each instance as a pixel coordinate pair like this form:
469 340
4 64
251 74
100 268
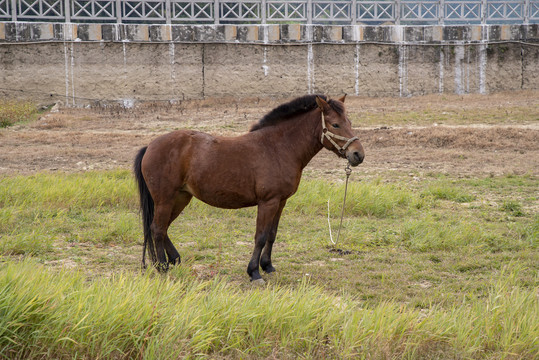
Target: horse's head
337 134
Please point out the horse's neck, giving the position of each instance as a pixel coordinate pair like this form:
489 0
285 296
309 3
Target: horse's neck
302 137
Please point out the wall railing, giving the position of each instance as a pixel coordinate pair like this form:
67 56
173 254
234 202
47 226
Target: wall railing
406 12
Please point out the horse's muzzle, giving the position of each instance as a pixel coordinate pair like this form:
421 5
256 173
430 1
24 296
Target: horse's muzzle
355 157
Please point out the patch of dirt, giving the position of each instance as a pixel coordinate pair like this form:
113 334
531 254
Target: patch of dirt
79 139
459 150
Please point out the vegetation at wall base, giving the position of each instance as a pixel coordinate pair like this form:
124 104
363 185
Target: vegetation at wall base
14 111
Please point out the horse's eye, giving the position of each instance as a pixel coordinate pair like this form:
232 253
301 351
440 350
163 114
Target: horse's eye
336 126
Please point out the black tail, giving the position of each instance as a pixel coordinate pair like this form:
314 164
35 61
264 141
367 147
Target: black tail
146 208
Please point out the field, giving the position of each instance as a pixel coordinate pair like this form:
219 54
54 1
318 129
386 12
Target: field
438 255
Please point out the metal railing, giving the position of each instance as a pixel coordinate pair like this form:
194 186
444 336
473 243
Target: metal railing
413 12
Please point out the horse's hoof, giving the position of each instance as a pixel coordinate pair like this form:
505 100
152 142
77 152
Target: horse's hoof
258 282
162 267
270 269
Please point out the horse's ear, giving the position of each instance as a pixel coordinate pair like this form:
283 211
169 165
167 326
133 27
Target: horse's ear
322 104
342 99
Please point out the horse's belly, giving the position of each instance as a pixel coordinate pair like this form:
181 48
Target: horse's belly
226 199
229 203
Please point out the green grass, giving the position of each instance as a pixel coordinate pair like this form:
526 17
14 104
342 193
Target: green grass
440 268
512 207
446 191
74 191
26 244
364 199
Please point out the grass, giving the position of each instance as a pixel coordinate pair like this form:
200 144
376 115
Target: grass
69 191
61 315
376 199
13 111
440 268
445 191
512 207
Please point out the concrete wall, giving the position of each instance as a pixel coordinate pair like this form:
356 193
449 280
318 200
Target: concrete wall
85 63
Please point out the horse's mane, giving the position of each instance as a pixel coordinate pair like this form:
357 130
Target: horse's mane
293 108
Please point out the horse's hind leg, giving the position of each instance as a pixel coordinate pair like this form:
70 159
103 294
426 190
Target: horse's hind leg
182 199
159 229
166 210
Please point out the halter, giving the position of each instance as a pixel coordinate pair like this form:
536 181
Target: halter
330 136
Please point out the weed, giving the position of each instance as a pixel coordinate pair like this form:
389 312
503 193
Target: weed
512 207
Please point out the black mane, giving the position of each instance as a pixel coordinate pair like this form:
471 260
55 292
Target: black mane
293 108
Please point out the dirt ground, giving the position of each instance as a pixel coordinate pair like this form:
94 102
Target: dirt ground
462 135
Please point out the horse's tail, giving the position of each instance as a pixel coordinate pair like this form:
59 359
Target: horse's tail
146 208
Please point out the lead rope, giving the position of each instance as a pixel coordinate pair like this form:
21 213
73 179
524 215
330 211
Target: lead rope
348 171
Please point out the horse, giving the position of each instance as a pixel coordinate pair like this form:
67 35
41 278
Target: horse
262 168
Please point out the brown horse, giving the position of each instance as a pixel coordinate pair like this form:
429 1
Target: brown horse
262 167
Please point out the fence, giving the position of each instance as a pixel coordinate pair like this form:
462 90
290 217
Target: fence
406 12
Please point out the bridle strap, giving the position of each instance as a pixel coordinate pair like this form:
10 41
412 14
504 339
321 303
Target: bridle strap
330 136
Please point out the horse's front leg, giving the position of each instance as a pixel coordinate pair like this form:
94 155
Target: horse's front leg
264 224
265 259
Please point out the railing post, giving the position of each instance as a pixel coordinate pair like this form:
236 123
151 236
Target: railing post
119 11
441 12
398 12
526 12
168 9
67 11
13 10
263 11
309 12
484 12
216 12
353 12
